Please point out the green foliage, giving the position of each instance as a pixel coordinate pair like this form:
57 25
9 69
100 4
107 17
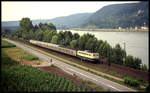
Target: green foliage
6 60
74 44
118 54
25 24
75 36
24 27
54 39
119 15
28 79
90 44
83 40
46 26
144 67
131 82
48 34
132 62
16 77
5 44
39 35
29 57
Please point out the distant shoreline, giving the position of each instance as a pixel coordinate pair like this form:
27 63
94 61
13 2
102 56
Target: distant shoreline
108 30
113 30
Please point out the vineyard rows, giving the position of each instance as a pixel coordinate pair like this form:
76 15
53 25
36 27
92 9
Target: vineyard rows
16 77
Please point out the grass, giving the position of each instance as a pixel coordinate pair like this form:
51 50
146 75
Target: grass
18 52
5 44
28 57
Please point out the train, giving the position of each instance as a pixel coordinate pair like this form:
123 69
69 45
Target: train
84 55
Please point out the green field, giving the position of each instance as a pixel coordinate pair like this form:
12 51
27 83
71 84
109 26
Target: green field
6 44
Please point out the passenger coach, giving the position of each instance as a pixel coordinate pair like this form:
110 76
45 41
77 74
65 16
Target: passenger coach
85 55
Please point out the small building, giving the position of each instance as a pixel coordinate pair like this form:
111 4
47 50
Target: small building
144 27
120 28
136 28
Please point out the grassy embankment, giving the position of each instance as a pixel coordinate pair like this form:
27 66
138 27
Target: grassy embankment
16 77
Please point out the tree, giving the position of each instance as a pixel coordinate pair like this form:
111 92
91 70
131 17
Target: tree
48 34
75 36
83 39
61 37
7 31
74 44
98 46
35 28
68 38
144 67
46 26
31 34
54 39
39 35
51 26
132 62
119 53
137 62
90 44
25 26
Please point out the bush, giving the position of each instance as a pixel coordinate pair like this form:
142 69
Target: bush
131 82
144 68
132 62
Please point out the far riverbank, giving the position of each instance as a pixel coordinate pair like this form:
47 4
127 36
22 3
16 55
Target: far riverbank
112 30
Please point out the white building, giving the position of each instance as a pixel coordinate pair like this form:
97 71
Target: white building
144 27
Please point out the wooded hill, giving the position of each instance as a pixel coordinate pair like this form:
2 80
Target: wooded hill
63 22
119 15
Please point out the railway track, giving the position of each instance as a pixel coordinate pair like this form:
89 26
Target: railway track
68 59
119 71
82 73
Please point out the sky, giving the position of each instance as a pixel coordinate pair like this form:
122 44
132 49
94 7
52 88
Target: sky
16 10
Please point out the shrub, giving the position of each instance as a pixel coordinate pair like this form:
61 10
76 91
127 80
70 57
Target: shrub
132 62
144 68
131 82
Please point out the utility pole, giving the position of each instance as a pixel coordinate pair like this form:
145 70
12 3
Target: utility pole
109 58
124 46
124 50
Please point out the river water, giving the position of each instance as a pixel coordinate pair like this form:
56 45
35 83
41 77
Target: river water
136 43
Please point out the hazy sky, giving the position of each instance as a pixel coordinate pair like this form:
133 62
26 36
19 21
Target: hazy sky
16 10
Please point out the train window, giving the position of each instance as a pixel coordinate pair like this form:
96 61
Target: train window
96 54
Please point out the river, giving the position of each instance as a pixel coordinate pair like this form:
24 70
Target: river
136 43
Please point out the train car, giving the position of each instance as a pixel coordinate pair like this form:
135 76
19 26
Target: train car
85 55
88 56
54 47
